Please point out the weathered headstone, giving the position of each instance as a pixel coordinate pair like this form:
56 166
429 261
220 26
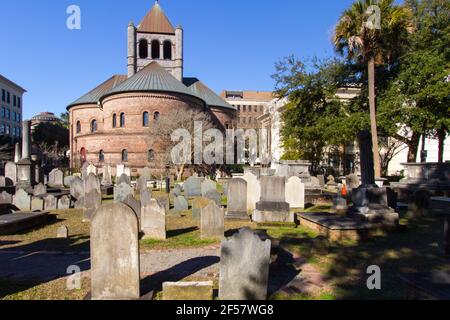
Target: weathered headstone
22 200
62 232
212 222
11 172
153 220
68 181
146 173
114 253
91 169
122 191
50 203
37 204
123 179
197 205
106 176
39 190
244 267
187 291
84 170
253 190
91 183
192 187
295 193
56 178
237 199
134 204
180 204
120 170
141 183
215 196
6 198
207 186
77 191
176 191
64 203
92 201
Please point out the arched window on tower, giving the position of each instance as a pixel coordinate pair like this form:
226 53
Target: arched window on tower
156 116
101 156
114 121
151 155
156 49
143 49
145 119
94 126
78 126
167 50
122 120
124 155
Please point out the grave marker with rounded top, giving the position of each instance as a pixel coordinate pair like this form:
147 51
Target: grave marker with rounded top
237 200
153 220
253 190
295 193
212 222
22 200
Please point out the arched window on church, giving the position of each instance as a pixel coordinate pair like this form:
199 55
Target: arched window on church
125 155
167 50
156 116
94 126
155 49
143 49
101 156
145 119
78 126
114 121
122 120
151 155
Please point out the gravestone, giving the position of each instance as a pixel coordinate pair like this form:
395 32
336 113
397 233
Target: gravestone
5 182
164 201
215 196
192 187
92 201
84 170
50 203
22 200
56 178
141 183
133 204
197 205
91 169
352 181
62 233
127 171
64 203
153 220
273 206
6 198
212 222
244 267
176 191
253 190
321 178
11 172
295 193
37 204
207 186
237 200
114 241
123 179
77 191
91 183
146 173
122 191
68 181
39 190
106 176
120 170
146 196
180 204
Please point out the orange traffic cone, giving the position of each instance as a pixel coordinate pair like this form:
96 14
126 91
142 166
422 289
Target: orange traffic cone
344 191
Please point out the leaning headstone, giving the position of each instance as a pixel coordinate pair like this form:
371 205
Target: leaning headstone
192 187
39 190
197 205
295 193
22 200
62 232
114 240
122 191
237 199
123 179
207 186
11 172
244 267
253 190
107 176
50 203
212 222
64 203
92 201
77 188
187 291
153 220
91 183
141 183
180 204
37 204
215 196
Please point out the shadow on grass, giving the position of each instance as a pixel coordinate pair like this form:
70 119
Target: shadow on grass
175 233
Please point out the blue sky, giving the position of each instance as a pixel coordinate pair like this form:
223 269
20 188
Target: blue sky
229 44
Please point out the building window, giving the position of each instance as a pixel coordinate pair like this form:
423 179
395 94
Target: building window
8 97
167 50
239 108
19 102
14 100
2 128
8 129
156 116
94 126
122 120
151 155
101 156
155 49
124 156
143 49
8 114
244 108
145 119
114 121
78 127
3 95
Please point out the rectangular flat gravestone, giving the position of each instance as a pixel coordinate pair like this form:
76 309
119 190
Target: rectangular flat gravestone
272 208
153 220
50 203
64 203
92 202
11 172
22 200
212 222
295 193
197 205
37 204
244 267
122 191
237 199
114 253
253 190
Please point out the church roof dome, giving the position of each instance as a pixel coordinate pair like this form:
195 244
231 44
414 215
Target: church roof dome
93 96
209 96
152 78
156 21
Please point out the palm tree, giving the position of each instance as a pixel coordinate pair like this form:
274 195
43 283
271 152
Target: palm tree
373 32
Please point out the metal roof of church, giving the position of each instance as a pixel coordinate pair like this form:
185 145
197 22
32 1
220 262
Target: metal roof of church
210 97
93 96
152 78
156 22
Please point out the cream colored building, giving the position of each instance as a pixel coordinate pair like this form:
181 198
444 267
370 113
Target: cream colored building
11 98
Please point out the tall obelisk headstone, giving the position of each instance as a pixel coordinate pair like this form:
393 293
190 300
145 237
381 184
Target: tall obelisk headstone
25 171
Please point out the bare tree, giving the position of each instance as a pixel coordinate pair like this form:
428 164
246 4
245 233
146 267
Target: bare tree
389 148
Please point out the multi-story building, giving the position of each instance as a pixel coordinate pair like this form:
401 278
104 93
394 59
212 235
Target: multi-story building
250 106
10 107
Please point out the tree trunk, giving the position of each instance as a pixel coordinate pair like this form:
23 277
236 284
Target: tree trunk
373 119
441 137
413 148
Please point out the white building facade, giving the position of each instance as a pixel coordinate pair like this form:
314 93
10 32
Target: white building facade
11 100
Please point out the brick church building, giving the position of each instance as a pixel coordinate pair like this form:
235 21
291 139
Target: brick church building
112 123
